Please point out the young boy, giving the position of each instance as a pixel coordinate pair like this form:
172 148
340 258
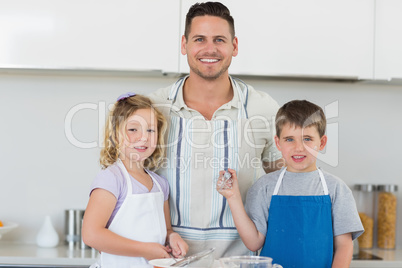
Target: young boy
300 216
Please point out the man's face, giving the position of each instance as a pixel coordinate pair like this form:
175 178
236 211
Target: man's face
209 47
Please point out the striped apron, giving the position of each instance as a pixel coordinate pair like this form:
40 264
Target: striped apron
197 149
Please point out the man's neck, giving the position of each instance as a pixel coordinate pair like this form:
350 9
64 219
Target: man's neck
206 96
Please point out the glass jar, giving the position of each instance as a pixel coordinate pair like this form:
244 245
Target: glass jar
365 200
386 216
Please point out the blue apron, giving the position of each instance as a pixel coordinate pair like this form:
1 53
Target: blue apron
300 229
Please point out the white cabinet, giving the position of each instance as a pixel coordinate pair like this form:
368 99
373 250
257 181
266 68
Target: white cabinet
301 38
388 40
90 34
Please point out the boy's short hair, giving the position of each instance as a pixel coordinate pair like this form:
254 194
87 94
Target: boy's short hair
300 113
208 9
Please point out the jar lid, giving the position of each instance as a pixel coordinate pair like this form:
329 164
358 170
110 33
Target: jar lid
365 187
387 188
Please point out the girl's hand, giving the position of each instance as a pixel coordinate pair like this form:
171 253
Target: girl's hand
232 185
155 251
177 245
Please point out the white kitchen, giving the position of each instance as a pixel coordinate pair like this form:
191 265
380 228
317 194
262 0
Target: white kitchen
62 63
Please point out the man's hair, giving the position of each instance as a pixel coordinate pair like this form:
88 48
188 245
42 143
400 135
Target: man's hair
301 113
208 9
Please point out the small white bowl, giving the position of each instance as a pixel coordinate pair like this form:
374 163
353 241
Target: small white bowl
162 263
7 226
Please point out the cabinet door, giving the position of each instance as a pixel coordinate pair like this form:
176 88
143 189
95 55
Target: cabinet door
388 40
89 34
302 38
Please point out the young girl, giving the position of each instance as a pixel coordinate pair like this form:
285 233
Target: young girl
127 218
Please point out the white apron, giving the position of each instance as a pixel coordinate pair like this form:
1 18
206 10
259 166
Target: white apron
197 149
141 218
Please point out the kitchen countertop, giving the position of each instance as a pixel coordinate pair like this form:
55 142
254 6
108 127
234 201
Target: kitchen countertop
22 255
390 258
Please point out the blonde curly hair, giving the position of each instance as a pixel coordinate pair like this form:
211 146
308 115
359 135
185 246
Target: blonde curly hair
118 115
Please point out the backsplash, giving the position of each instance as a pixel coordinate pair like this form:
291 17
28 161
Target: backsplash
45 173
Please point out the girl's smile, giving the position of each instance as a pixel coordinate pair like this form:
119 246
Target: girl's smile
141 148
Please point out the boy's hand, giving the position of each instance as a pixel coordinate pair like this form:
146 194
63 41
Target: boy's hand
231 188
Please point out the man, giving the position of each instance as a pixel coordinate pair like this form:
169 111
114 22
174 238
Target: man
216 122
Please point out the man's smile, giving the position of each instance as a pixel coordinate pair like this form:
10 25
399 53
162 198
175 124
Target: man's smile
209 60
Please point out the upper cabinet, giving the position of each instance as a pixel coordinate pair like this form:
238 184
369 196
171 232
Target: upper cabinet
88 34
310 38
357 39
388 40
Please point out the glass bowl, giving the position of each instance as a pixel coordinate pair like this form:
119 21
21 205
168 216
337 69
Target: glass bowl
248 262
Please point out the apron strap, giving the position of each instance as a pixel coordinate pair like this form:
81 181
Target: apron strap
323 182
155 181
126 176
175 88
279 182
128 180
243 96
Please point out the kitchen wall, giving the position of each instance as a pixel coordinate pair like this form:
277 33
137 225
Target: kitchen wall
44 172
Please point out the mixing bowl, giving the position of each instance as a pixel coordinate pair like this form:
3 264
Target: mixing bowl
248 262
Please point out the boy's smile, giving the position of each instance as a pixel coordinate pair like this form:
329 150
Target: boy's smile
300 147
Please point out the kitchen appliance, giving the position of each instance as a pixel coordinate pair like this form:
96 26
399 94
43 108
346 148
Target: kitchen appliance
73 225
